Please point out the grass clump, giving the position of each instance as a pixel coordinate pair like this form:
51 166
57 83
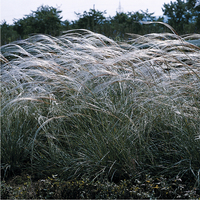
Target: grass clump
83 106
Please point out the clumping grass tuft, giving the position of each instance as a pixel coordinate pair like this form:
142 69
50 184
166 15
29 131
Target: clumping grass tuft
83 106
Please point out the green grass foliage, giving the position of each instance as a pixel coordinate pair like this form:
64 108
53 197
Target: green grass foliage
83 106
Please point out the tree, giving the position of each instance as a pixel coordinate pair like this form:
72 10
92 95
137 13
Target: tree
119 23
133 22
178 15
193 7
197 3
7 33
146 16
66 25
48 20
91 20
44 20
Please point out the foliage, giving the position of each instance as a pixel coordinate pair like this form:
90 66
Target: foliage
44 20
194 9
47 20
183 16
92 20
54 188
7 33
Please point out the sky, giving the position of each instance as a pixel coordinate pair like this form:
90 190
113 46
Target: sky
17 9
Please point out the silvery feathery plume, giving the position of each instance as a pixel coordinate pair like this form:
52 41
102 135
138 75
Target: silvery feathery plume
197 3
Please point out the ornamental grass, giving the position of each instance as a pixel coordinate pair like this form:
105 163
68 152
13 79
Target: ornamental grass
84 106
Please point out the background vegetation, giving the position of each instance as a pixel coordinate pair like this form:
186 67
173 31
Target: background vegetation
182 16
